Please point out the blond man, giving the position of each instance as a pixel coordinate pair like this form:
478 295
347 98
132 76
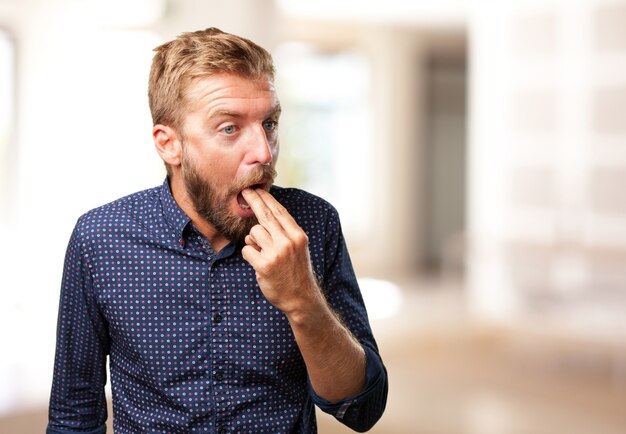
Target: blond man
222 302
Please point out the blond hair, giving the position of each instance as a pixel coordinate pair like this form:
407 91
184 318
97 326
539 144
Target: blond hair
199 54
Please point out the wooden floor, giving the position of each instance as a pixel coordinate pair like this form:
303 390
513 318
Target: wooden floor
451 375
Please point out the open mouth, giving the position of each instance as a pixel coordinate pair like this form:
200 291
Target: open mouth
242 202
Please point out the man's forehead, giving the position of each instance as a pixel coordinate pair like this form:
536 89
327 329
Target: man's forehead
226 84
221 91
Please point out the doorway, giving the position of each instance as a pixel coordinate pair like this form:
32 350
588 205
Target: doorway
445 154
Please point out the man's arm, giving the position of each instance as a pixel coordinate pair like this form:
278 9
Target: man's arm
347 376
277 248
340 286
335 360
77 401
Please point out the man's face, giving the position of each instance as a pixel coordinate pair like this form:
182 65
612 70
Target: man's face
230 142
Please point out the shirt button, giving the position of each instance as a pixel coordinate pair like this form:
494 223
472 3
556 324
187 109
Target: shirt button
217 318
219 376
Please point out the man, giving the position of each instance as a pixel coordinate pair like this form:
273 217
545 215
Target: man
224 303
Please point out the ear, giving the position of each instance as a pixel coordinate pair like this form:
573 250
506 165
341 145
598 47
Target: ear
168 144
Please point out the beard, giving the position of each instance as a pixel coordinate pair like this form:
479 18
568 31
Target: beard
213 207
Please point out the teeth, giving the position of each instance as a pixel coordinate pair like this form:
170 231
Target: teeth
242 202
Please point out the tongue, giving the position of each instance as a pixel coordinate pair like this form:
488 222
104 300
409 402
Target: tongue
242 202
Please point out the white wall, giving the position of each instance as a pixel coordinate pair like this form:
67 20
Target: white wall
83 139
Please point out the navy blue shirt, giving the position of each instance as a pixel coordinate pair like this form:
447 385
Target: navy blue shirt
193 345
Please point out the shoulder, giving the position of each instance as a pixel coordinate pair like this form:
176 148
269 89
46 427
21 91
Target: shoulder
316 216
319 220
127 211
303 205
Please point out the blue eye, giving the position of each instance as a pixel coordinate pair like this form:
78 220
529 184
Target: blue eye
229 129
270 125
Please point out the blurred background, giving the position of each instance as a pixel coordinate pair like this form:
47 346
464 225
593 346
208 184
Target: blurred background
476 151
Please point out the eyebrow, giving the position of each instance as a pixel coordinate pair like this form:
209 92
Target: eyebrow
223 113
276 110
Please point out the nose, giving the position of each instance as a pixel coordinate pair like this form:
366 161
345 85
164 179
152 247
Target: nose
260 150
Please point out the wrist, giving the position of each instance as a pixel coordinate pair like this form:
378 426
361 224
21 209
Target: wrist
310 311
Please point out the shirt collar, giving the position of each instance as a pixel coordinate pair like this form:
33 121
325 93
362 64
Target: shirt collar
179 221
174 215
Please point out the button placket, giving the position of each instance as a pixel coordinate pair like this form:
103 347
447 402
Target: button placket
219 375
219 348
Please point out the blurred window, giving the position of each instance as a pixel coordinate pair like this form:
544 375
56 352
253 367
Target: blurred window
326 129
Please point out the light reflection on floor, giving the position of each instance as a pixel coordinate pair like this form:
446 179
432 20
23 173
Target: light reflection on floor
382 298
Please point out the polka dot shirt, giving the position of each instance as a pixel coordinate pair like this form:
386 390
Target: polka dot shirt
192 344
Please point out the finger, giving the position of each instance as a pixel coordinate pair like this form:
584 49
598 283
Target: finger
252 256
250 242
279 212
262 212
260 236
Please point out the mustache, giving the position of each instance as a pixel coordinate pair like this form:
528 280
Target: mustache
263 175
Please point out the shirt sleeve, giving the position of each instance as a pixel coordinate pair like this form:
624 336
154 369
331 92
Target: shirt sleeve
362 411
77 400
340 286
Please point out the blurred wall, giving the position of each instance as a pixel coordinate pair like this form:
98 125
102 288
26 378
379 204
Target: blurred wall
547 225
